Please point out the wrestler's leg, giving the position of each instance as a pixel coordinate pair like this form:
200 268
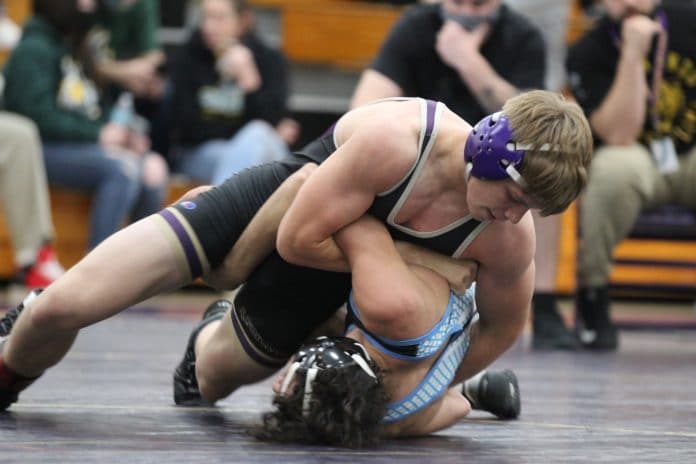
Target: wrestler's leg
223 363
131 265
273 314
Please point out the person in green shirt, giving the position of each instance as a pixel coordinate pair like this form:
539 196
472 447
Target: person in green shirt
125 47
50 79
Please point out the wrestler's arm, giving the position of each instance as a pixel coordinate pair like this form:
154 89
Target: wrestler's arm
385 288
504 287
371 160
449 409
258 238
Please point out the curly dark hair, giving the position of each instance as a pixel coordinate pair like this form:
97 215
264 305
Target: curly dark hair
346 409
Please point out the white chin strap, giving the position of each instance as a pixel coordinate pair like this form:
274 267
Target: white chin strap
308 386
363 364
516 176
512 171
288 378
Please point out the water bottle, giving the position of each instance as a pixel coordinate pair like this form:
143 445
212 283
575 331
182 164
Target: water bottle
123 111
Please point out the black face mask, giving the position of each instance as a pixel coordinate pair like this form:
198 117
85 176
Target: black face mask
329 353
470 22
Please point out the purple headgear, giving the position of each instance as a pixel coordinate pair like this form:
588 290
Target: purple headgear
490 152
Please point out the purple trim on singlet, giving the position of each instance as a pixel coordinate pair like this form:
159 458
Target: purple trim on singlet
194 261
431 106
248 348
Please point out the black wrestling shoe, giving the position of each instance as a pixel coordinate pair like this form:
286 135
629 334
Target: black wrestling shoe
496 392
186 391
10 382
10 317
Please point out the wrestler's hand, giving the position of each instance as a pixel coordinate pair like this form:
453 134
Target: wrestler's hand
459 273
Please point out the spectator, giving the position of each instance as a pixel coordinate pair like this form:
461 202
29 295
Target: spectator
128 58
24 197
633 74
125 47
230 90
549 330
473 56
48 80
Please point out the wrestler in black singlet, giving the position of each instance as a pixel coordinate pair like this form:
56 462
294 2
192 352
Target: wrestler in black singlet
280 304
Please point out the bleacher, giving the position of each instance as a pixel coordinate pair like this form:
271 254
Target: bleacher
328 43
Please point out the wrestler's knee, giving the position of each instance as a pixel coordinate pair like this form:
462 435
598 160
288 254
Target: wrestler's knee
211 384
222 367
58 308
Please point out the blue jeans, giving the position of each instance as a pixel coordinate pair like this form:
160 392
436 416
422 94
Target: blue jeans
214 161
114 179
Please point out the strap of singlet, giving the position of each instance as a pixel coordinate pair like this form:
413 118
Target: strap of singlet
437 380
455 317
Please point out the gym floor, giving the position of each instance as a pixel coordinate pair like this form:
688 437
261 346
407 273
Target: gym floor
110 401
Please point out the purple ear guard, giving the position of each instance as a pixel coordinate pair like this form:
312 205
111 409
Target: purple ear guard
490 151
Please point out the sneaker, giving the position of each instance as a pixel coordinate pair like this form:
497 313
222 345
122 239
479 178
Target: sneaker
186 391
497 392
594 328
45 270
549 332
10 382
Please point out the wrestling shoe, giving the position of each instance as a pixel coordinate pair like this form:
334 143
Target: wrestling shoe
10 317
12 383
496 392
186 391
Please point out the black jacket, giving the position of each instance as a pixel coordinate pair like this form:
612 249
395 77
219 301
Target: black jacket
193 73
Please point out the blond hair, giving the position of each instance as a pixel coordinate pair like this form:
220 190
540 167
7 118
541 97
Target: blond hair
556 164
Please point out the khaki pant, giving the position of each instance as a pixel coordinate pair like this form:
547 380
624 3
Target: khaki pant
23 187
623 182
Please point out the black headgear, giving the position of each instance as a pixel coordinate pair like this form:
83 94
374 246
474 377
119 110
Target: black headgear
326 353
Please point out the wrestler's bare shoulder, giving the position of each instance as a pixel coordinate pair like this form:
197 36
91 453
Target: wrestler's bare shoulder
386 117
